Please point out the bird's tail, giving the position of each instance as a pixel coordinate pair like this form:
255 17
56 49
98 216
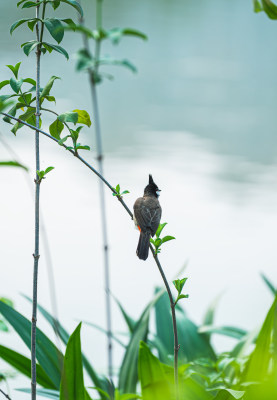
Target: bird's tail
143 245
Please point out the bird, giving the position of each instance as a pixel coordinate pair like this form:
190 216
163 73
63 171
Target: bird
147 216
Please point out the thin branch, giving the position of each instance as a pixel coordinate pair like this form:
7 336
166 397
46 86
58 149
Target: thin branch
6 395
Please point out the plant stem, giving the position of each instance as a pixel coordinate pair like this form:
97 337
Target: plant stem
6 395
92 80
173 314
155 256
37 196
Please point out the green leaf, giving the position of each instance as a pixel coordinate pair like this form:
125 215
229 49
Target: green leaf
23 365
69 117
154 384
72 382
257 6
230 394
259 364
167 238
20 22
12 164
84 60
56 129
131 323
128 374
229 331
48 169
182 296
179 284
83 117
14 69
74 4
269 284
270 8
48 356
4 83
125 192
81 147
123 63
16 84
30 4
55 28
49 47
30 80
49 393
160 228
47 88
116 34
29 46
117 188
31 24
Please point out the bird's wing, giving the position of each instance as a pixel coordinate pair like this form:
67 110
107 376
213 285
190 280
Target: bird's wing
148 214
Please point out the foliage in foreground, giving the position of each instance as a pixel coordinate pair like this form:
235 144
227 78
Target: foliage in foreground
203 375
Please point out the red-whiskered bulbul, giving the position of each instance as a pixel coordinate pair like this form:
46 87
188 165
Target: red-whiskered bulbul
148 213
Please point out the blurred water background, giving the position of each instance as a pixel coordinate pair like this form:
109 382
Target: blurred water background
200 115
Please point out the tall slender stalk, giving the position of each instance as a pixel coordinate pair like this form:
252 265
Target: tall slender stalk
175 333
99 148
37 198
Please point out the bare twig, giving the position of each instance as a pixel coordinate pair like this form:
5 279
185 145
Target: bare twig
155 256
6 395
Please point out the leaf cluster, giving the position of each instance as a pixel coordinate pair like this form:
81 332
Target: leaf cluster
158 241
117 192
267 6
179 285
24 95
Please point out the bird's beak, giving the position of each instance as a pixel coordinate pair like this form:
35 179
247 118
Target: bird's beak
158 192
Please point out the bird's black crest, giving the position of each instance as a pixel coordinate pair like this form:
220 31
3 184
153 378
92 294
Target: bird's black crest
151 182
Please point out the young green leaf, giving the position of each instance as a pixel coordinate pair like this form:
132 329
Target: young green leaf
14 69
55 28
30 80
257 6
69 117
75 5
48 169
116 34
49 47
83 117
47 88
30 4
4 83
81 147
16 24
16 84
29 46
56 129
160 228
